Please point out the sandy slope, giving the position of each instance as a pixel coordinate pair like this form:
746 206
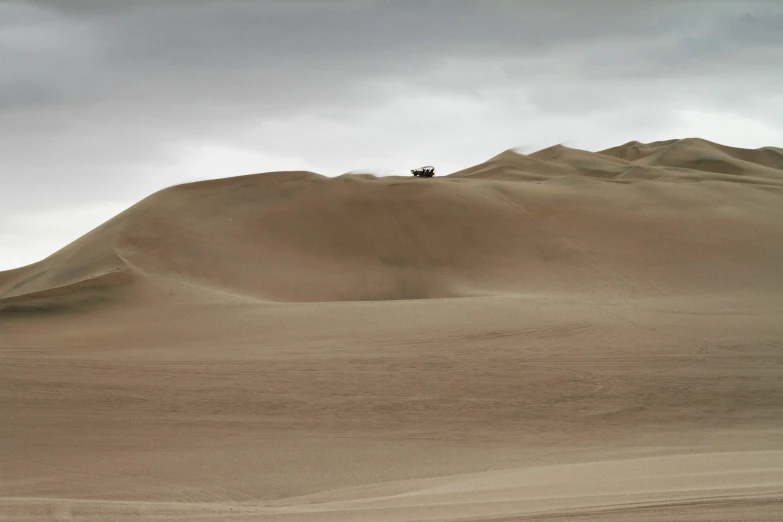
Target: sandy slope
563 335
583 226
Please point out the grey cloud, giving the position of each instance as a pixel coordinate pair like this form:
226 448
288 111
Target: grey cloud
283 60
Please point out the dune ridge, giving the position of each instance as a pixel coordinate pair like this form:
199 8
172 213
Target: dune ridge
515 224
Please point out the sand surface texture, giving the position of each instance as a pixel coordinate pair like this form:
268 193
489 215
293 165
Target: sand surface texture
564 335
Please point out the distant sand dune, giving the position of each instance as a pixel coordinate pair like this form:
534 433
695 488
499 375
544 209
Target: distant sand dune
564 335
543 222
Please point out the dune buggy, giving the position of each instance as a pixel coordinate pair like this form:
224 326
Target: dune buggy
424 172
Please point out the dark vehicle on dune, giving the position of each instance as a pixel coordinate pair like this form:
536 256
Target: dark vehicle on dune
424 172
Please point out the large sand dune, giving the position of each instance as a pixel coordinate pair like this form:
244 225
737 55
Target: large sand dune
560 335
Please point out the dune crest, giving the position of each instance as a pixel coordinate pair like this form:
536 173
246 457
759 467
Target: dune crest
517 224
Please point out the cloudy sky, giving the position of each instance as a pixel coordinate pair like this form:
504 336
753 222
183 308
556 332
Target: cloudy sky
103 102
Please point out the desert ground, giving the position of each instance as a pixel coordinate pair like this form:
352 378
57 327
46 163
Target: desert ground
564 335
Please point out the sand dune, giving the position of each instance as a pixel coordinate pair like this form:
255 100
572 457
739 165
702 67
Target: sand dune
298 236
698 150
564 335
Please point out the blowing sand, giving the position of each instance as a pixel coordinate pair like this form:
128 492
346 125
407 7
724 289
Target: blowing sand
565 335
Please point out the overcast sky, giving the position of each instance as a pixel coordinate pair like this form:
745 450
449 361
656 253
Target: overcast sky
103 102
